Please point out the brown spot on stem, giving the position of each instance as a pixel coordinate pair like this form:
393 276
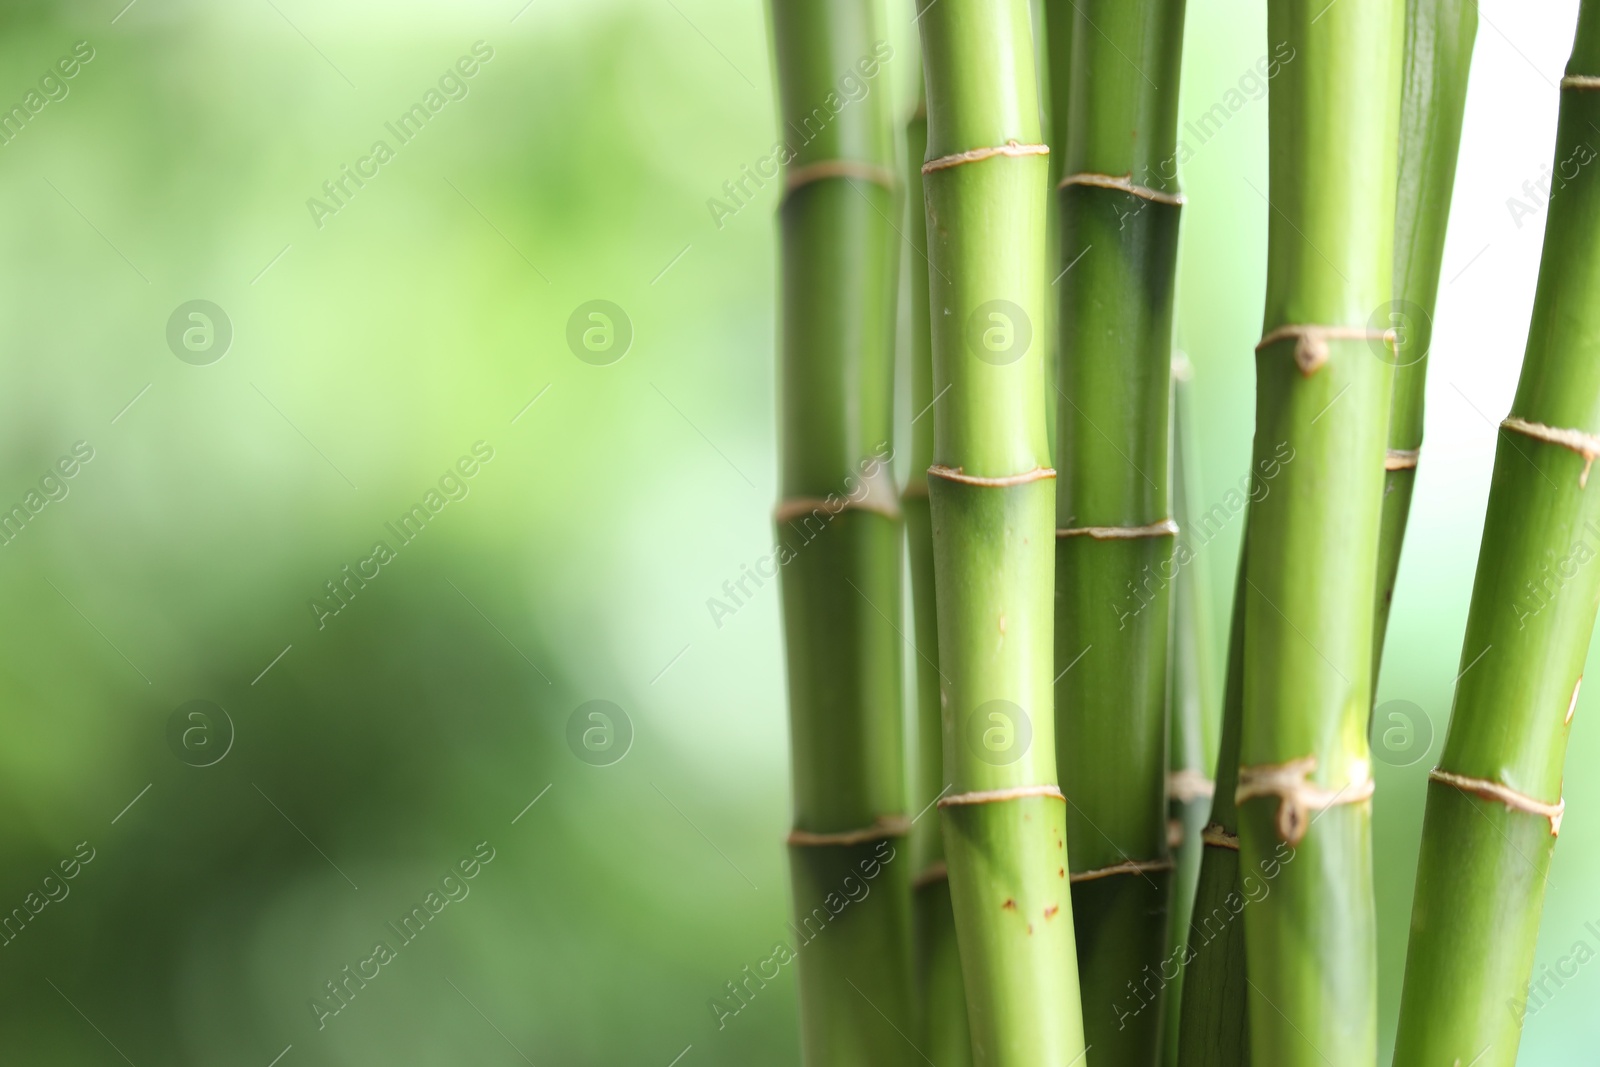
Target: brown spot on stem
1062 873
1049 913
1009 904
1030 929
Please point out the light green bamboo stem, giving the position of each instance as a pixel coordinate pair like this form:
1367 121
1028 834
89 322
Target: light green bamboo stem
1119 210
1438 54
1492 814
942 1005
1193 711
839 528
1305 768
1213 1027
992 496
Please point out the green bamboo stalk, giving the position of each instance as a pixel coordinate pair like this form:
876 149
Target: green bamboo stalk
1323 389
1494 803
992 496
840 536
941 1002
1119 211
1213 1026
1059 20
1438 54
1192 716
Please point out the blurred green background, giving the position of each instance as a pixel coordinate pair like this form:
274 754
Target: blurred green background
356 762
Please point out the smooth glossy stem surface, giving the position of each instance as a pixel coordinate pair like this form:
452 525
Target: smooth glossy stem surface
1213 1023
1322 408
941 1001
1119 212
993 505
839 535
1193 713
1482 872
1438 55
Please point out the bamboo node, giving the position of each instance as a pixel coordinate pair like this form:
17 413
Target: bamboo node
1164 528
1311 348
1125 867
955 474
1189 784
1297 796
995 796
1215 836
799 506
1584 444
883 826
1124 183
915 489
1580 81
1401 459
974 155
874 491
933 874
1513 800
839 168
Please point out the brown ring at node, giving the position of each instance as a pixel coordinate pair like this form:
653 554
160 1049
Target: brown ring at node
975 155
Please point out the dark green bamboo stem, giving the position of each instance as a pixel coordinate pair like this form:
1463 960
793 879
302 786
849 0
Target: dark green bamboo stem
1492 813
1323 388
941 1002
992 496
1119 210
1059 19
839 527
1193 709
1213 1022
1438 54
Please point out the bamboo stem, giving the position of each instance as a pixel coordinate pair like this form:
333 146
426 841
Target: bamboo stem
1192 713
1119 210
1438 54
941 1001
840 534
1213 1027
1494 804
1323 389
992 499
